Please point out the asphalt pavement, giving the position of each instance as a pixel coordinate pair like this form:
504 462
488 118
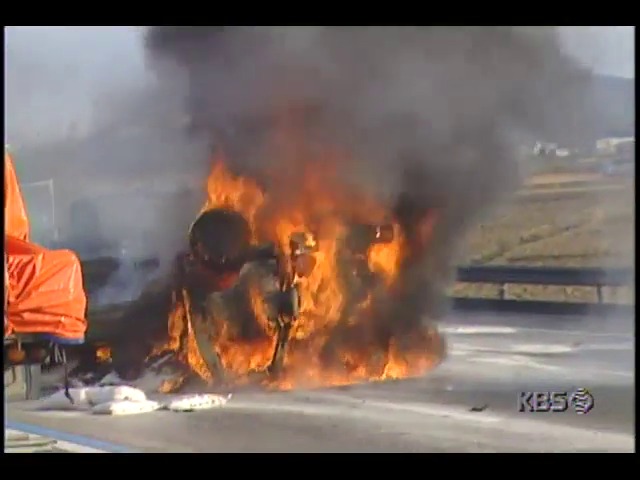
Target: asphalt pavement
468 404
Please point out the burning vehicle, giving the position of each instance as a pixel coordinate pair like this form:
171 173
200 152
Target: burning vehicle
347 165
301 293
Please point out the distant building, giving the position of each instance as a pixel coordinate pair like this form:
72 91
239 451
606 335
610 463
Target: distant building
541 149
616 145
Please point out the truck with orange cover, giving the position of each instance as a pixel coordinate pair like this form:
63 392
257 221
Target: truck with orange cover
45 302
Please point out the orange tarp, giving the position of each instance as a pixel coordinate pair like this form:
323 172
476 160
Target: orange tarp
43 288
16 222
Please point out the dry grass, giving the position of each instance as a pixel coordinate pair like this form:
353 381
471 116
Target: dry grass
595 228
559 178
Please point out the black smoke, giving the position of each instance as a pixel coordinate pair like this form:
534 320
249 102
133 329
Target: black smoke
432 116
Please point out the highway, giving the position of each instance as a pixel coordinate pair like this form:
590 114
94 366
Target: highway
468 404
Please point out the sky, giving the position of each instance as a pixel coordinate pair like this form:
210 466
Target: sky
609 50
60 80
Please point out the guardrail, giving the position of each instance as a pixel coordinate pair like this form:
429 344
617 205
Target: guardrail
104 319
504 275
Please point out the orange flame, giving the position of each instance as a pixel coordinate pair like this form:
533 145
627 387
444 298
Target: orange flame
317 204
103 354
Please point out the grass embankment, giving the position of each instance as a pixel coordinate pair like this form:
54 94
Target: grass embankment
590 228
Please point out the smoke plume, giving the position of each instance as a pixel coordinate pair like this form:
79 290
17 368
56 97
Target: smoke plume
430 116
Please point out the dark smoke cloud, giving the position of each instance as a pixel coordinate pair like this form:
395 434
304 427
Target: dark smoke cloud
432 113
428 113
83 111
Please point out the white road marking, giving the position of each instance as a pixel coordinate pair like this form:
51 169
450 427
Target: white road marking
541 349
478 330
521 349
516 361
499 329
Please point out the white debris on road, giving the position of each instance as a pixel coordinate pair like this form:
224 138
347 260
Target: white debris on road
98 395
125 400
188 403
126 407
58 401
87 397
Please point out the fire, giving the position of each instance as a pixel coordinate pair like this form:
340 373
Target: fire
227 191
318 206
385 258
103 354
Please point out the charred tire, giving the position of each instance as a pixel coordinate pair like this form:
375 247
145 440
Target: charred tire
219 239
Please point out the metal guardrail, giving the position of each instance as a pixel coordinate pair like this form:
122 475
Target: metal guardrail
504 275
501 275
96 272
587 277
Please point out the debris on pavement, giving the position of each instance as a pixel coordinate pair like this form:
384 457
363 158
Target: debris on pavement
189 403
126 407
126 400
59 401
98 395
87 397
479 408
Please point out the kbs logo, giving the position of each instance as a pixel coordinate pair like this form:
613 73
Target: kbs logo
580 401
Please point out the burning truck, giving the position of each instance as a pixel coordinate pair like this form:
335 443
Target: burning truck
348 163
308 292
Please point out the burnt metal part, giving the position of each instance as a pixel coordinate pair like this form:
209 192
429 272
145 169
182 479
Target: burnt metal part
220 242
287 305
219 239
302 246
362 236
287 301
203 332
300 263
259 253
288 309
277 361
354 270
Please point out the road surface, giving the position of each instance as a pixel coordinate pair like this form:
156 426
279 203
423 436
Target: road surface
468 404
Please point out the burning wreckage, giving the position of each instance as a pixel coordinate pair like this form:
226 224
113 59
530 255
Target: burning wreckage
294 276
306 293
